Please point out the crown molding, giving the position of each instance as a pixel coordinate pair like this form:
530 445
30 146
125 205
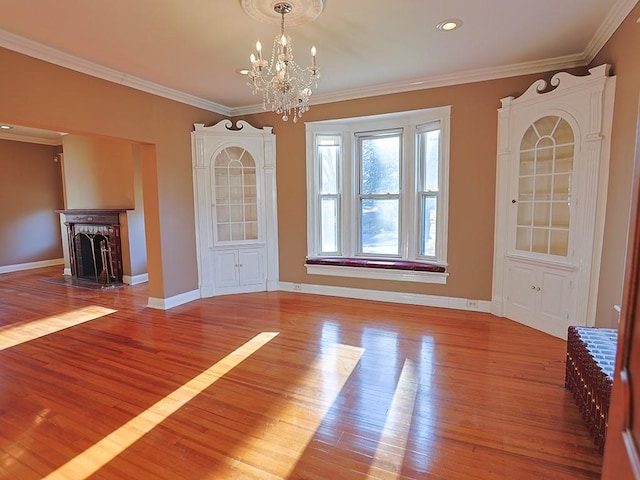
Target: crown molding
57 57
29 139
618 13
613 20
458 78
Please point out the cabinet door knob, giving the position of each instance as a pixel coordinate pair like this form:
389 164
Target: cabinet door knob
533 287
537 289
513 201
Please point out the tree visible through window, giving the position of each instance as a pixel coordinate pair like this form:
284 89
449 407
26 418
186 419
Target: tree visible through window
377 187
379 194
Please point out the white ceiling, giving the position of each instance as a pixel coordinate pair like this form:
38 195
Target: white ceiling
190 50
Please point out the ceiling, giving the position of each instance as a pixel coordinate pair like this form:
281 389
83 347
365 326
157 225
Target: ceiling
190 50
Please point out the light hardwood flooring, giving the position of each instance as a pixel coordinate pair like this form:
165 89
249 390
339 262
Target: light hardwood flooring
276 386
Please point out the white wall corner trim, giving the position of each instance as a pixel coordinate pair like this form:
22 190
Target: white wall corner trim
392 297
28 266
135 279
175 301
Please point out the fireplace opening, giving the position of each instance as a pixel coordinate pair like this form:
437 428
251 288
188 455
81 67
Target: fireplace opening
95 252
95 261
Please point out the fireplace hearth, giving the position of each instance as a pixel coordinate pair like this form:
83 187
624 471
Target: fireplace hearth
95 250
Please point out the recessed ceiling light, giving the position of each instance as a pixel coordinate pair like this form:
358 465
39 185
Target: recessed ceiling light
449 24
6 127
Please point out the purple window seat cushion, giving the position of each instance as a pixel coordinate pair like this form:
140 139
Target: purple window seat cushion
368 263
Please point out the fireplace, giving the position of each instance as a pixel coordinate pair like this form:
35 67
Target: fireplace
95 250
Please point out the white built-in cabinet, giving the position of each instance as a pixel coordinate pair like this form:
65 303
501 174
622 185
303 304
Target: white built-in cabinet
552 175
239 267
235 207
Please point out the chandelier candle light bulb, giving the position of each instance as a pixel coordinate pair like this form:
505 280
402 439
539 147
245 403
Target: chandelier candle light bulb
285 86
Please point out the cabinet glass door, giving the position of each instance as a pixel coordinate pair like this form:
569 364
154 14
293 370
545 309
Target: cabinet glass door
544 187
235 196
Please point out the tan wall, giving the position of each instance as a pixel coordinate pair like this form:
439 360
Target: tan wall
102 172
622 52
136 240
98 172
48 96
30 191
472 175
43 95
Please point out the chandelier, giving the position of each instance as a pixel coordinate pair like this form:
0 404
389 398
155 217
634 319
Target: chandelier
285 86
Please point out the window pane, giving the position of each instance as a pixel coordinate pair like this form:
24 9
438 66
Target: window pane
546 125
561 187
329 173
523 239
328 153
380 165
541 214
527 162
524 214
379 223
250 213
224 232
564 132
428 226
526 189
564 159
329 225
559 242
561 214
540 240
251 230
328 147
543 188
544 160
250 176
529 139
237 231
430 143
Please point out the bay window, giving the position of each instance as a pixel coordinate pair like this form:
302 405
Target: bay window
377 196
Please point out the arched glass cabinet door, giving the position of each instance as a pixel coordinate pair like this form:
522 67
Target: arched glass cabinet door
236 196
546 168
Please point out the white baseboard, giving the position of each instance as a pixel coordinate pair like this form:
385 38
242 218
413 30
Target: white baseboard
168 303
394 297
497 307
135 279
28 266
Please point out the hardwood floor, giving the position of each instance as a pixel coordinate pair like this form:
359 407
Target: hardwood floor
276 386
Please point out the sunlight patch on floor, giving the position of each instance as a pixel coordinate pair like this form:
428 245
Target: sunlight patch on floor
15 334
299 417
393 440
98 455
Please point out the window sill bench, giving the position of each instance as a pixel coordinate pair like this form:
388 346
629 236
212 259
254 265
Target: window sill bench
400 270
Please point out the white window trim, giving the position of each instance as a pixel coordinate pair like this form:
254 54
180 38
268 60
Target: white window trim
346 129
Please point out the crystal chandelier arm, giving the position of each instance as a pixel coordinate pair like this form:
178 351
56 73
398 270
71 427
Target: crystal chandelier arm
285 86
